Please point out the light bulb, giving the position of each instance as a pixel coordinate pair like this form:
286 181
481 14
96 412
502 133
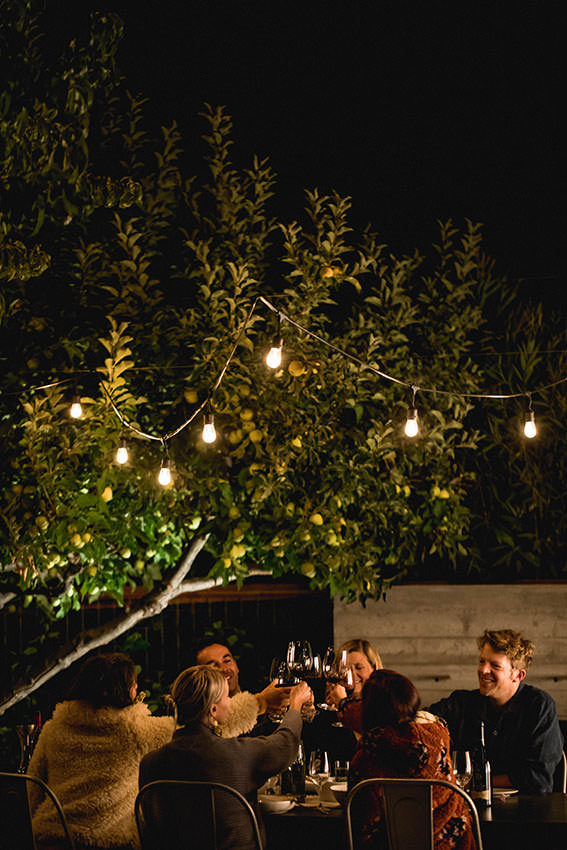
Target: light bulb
530 429
76 410
164 476
274 356
411 427
209 433
122 452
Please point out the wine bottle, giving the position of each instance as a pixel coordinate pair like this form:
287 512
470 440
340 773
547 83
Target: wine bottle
481 784
293 778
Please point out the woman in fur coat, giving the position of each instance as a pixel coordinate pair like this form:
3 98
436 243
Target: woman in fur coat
89 754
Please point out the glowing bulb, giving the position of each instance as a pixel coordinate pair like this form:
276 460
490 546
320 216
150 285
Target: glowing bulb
411 427
530 429
209 433
76 410
274 356
164 476
122 452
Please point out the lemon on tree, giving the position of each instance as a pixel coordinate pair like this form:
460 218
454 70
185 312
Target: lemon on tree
296 368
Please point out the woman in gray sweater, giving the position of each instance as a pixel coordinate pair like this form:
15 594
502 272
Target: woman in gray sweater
201 699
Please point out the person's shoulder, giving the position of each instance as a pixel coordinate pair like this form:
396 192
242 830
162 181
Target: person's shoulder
457 697
536 696
423 717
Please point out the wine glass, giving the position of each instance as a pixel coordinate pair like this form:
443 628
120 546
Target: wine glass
344 673
300 657
318 768
462 767
327 672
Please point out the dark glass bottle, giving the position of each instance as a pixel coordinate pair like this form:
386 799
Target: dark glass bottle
481 784
293 778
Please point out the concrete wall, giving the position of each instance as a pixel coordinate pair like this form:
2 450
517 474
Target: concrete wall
428 632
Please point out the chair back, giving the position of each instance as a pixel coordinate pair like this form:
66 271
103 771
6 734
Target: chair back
177 813
15 815
408 811
560 775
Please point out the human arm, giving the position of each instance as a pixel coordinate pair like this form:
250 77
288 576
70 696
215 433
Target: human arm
539 750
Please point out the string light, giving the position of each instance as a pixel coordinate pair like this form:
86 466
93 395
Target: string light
122 452
274 356
411 427
530 429
164 475
76 410
209 432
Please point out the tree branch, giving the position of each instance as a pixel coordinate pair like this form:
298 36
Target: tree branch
90 639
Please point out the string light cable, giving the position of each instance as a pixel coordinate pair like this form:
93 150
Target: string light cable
205 407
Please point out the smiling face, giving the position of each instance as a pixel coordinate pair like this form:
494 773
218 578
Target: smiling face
497 679
219 656
361 669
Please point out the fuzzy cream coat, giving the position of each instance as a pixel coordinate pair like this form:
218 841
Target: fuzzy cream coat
90 758
242 716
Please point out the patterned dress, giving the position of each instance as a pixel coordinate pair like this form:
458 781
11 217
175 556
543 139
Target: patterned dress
419 749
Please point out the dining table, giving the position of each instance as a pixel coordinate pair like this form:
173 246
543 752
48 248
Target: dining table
517 821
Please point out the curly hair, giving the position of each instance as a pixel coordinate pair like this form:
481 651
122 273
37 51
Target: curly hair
518 649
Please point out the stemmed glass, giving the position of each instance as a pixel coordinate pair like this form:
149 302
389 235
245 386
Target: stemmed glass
344 674
300 658
318 768
328 672
462 767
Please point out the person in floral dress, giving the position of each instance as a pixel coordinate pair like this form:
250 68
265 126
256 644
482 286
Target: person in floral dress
401 741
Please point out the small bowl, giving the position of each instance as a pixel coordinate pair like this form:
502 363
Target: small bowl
339 791
275 803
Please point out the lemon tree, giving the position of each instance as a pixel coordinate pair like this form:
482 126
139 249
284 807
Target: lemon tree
128 281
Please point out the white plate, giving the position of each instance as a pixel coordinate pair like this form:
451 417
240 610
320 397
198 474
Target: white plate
503 792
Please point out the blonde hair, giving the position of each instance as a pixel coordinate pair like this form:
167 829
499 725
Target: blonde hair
195 690
518 649
364 646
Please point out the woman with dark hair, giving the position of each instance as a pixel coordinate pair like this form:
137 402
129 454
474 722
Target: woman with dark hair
200 696
89 754
401 741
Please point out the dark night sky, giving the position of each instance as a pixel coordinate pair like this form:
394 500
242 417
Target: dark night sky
419 111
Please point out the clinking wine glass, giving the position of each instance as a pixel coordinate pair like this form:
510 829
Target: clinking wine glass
329 673
300 658
344 673
462 767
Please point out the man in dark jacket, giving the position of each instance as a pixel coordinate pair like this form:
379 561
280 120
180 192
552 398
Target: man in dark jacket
524 743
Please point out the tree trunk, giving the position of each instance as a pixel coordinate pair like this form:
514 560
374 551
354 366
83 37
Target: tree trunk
90 639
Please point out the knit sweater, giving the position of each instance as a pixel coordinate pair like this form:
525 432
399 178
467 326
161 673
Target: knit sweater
90 759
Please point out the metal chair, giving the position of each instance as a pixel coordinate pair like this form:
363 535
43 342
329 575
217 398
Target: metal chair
560 775
178 814
15 815
408 811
